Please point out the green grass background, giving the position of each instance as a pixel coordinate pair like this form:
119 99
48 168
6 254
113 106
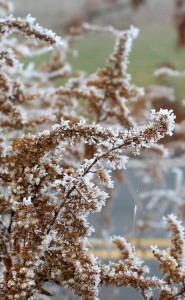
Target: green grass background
155 45
152 48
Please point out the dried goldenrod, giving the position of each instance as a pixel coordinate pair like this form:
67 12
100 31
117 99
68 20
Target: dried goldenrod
56 164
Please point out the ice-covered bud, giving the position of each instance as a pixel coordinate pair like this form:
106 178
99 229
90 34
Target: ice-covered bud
165 117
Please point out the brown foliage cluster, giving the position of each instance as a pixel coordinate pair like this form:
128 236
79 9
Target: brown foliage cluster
58 145
179 17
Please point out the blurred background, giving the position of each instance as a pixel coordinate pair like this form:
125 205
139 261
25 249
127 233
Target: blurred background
160 42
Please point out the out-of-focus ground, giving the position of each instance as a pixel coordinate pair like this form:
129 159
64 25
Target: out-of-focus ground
56 13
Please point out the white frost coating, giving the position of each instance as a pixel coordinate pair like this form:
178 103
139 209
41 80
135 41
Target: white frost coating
105 177
157 92
154 248
25 51
166 116
46 32
132 34
44 132
60 72
180 235
170 72
129 36
118 162
27 201
38 32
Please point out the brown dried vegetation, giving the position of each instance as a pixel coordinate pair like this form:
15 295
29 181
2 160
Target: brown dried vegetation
52 176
